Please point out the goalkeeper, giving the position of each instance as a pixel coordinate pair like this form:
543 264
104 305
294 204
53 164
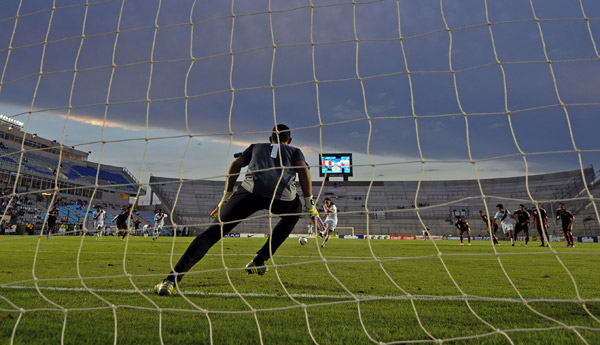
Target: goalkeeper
270 176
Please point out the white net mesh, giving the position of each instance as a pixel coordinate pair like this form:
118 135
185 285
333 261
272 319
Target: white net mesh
417 90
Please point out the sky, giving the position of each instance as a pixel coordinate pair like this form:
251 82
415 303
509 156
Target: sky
393 82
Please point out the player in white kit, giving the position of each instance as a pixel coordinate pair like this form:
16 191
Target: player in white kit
331 220
99 217
310 228
504 217
146 229
159 222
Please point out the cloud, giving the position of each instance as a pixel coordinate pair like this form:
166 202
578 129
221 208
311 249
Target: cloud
255 64
102 123
347 110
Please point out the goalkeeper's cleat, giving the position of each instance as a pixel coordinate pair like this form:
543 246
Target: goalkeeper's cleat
165 288
469 243
461 244
253 268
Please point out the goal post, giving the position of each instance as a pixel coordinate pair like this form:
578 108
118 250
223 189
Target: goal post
344 230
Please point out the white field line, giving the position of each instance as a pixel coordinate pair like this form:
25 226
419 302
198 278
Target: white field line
129 253
314 296
365 258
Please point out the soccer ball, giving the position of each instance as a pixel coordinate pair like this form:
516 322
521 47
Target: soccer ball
302 240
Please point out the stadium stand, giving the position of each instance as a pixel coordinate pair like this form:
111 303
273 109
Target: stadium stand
44 164
84 172
389 206
112 177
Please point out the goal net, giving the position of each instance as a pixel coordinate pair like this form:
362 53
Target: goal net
448 108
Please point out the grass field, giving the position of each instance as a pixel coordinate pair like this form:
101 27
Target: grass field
412 294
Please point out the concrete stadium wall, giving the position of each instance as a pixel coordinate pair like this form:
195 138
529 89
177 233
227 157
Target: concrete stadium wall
388 207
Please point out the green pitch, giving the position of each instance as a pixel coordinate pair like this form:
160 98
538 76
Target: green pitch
411 294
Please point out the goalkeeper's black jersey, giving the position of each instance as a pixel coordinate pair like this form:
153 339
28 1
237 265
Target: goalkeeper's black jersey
265 169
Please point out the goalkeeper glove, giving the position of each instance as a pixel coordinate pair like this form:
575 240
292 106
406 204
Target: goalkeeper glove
224 200
309 204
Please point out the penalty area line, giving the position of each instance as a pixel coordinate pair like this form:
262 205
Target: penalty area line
131 253
311 296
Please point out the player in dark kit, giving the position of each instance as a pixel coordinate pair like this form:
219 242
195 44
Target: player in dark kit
269 184
136 226
121 220
492 233
51 220
541 222
463 226
522 217
567 219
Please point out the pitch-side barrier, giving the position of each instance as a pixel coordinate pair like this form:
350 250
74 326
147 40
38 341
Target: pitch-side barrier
587 239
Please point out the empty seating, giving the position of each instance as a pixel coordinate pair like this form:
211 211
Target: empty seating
388 207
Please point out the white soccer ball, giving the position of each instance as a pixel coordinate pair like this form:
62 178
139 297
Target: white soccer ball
302 240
